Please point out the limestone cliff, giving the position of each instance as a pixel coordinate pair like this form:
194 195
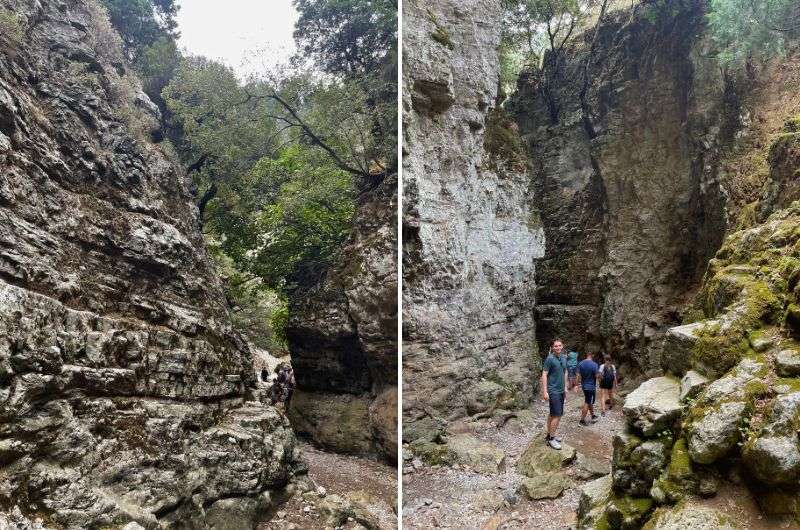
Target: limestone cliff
626 179
342 337
122 384
470 236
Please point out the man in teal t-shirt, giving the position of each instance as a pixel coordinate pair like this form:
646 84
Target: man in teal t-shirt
554 390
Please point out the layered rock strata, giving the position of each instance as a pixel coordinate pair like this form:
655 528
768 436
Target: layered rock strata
342 337
470 236
122 384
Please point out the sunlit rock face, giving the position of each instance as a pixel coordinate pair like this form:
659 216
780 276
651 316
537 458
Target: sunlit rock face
122 384
470 236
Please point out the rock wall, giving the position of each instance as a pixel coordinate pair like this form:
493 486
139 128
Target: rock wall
470 235
122 384
627 179
342 337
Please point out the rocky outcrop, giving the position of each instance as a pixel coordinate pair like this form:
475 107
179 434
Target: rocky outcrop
123 388
625 178
745 411
342 336
470 235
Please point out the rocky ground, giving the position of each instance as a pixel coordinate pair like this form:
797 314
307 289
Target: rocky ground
347 492
458 497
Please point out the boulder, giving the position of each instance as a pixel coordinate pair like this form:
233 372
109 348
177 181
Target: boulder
337 421
383 423
637 463
588 468
733 385
679 341
689 516
540 459
475 454
774 456
547 486
714 434
774 460
593 497
628 513
654 405
692 384
787 363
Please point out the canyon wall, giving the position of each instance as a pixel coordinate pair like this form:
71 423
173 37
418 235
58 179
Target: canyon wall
626 179
470 235
123 387
342 337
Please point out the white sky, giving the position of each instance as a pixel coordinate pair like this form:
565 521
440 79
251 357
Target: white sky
248 35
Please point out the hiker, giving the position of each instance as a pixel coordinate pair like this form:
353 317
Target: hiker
608 383
587 378
554 390
283 386
572 369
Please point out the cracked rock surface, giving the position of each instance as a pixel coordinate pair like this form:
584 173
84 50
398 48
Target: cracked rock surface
123 388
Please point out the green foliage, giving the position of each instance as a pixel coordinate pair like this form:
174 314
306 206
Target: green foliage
256 311
10 27
347 37
142 22
752 29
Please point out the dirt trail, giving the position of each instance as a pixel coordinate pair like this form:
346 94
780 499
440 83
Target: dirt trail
374 482
443 497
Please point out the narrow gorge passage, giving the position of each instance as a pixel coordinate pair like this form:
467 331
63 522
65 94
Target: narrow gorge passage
442 496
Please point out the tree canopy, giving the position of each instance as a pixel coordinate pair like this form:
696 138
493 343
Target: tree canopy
748 30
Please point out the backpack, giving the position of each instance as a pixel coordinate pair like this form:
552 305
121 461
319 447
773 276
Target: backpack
608 375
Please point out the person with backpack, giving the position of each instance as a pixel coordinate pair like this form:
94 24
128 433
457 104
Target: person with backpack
608 383
572 369
587 378
554 390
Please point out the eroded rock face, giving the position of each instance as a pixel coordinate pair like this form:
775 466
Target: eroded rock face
627 190
122 384
470 235
342 335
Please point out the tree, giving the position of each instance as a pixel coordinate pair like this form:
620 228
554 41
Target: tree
749 30
545 27
347 37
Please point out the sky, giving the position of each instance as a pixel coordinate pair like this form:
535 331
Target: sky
247 35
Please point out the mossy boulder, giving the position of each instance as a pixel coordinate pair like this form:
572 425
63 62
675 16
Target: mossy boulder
714 432
679 341
688 515
432 453
628 513
539 459
773 454
475 454
637 463
426 429
592 502
787 363
678 479
692 384
547 486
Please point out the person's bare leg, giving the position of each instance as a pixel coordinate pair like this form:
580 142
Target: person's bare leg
602 401
556 420
584 411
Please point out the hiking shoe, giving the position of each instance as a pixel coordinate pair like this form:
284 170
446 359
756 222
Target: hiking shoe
555 444
558 439
583 422
602 413
594 417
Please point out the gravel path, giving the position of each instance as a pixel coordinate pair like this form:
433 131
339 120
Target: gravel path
372 481
444 497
